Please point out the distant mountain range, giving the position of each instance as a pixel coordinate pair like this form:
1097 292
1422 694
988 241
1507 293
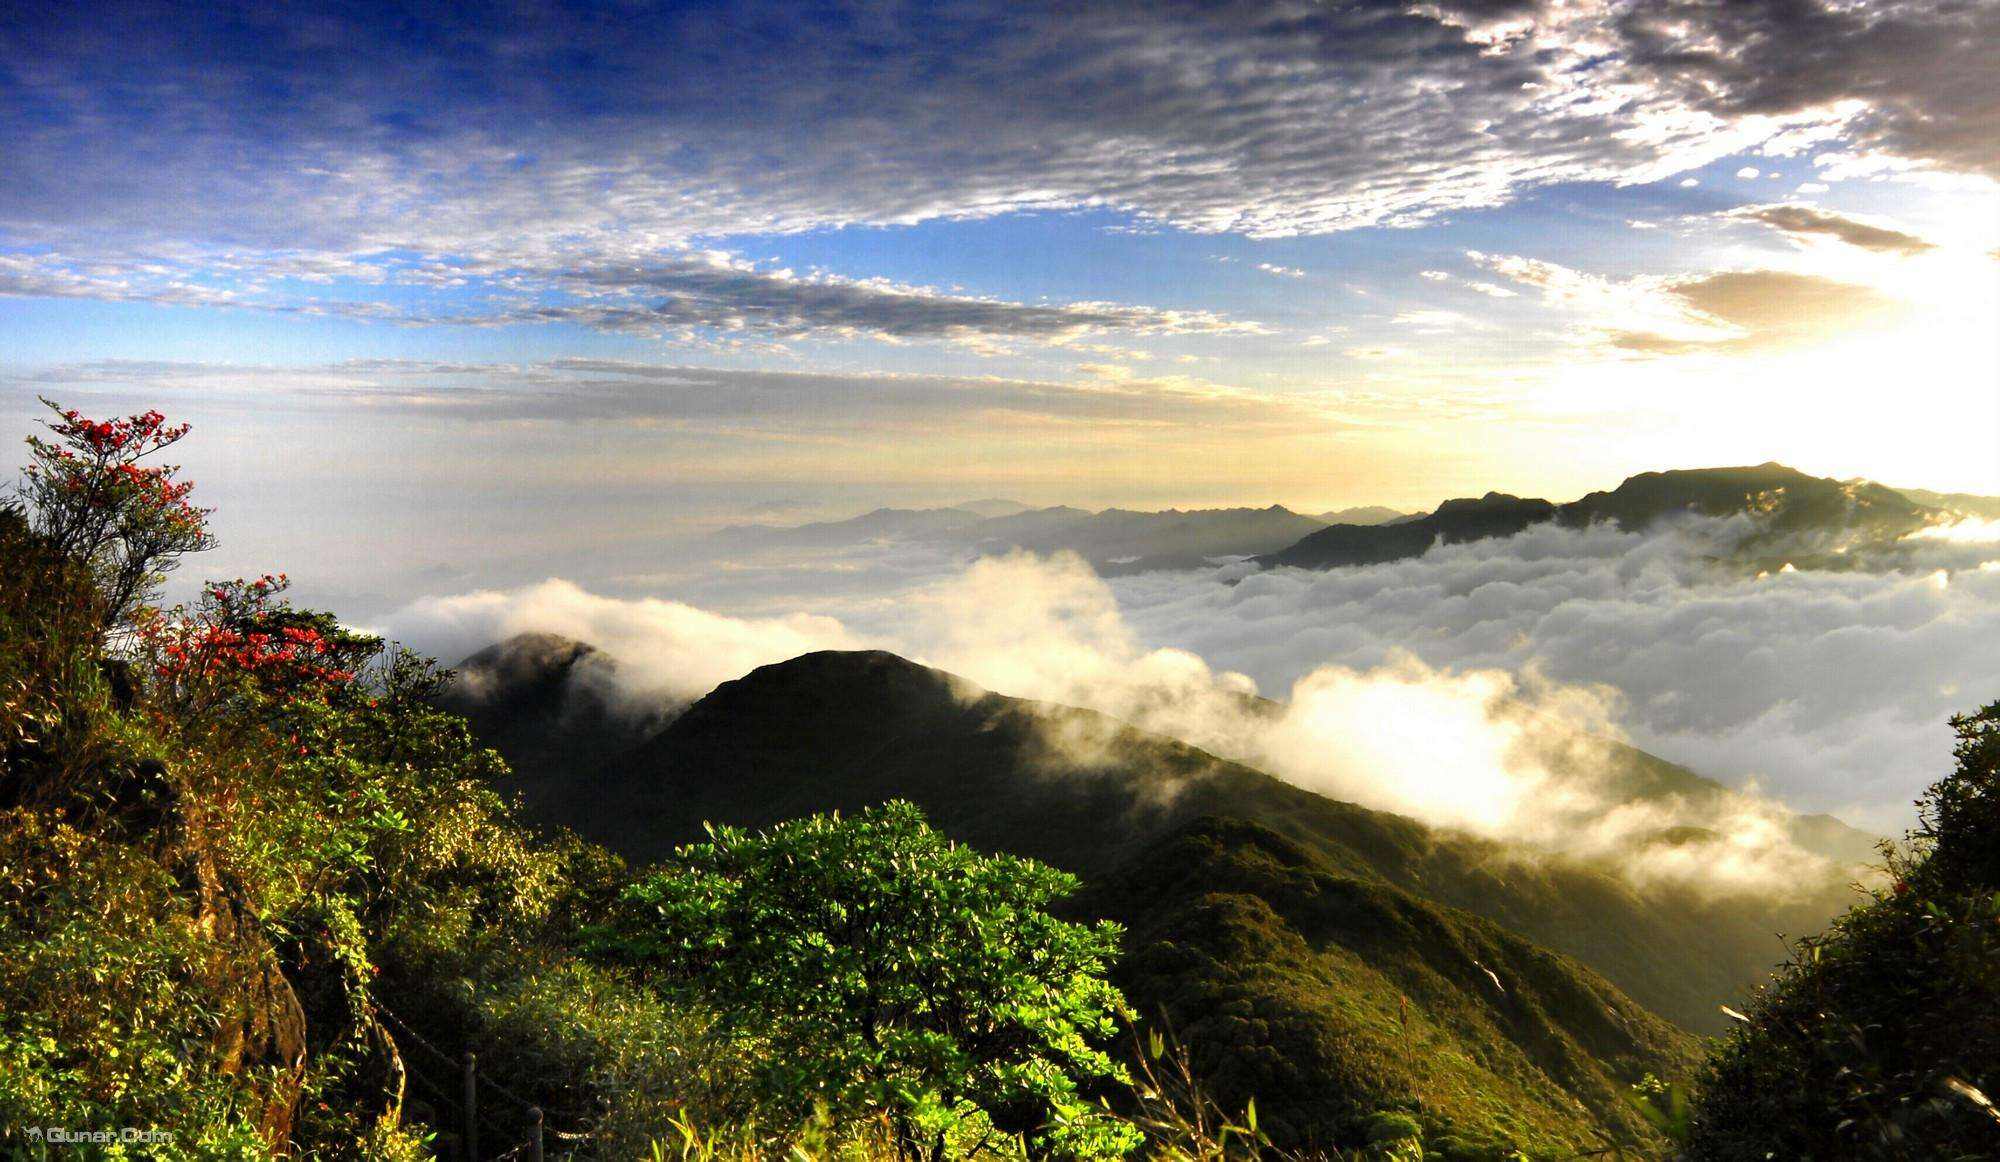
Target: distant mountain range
1805 520
1816 520
1113 540
1532 983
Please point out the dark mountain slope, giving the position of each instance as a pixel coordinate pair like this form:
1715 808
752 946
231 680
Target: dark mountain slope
839 731
550 705
1331 998
1493 515
1789 499
1789 503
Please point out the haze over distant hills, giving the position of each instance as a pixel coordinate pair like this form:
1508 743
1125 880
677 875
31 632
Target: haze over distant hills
1962 504
1113 540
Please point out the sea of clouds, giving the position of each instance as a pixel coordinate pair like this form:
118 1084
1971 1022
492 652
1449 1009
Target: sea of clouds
1457 687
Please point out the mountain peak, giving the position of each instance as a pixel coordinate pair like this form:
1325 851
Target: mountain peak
518 663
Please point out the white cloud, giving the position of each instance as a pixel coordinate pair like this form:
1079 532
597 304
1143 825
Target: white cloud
1437 320
1463 687
252 136
687 295
1723 310
1831 688
665 649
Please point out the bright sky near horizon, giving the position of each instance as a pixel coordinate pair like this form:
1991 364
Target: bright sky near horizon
394 260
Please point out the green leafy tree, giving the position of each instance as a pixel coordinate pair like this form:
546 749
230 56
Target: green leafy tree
886 970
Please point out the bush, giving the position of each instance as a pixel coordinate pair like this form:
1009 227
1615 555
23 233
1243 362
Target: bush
881 969
1881 1038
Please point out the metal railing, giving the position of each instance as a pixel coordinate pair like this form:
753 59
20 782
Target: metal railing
529 1149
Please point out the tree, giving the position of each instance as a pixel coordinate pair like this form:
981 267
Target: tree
244 632
92 500
886 970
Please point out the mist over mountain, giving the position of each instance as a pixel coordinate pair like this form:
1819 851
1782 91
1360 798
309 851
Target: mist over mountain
1811 517
549 703
842 731
1963 504
1803 520
1686 634
878 524
1240 889
993 506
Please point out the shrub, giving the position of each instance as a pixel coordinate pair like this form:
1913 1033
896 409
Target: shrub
1881 1037
883 969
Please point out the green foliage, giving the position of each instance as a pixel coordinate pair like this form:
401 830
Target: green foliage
1664 1105
203 875
880 967
1346 1007
1881 1037
1179 1115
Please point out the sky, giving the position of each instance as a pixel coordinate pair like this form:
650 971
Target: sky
459 300
1160 253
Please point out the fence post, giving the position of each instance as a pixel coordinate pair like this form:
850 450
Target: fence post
534 1134
471 1107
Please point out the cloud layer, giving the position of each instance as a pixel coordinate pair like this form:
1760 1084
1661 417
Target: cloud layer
666 650
1831 689
1463 687
1727 310
581 129
693 296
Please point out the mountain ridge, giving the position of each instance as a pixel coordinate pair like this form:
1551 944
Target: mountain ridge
1114 540
1787 501
841 731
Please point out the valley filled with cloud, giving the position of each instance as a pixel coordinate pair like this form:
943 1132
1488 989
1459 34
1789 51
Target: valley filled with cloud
1827 690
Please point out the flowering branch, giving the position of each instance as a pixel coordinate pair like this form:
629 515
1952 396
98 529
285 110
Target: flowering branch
93 500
